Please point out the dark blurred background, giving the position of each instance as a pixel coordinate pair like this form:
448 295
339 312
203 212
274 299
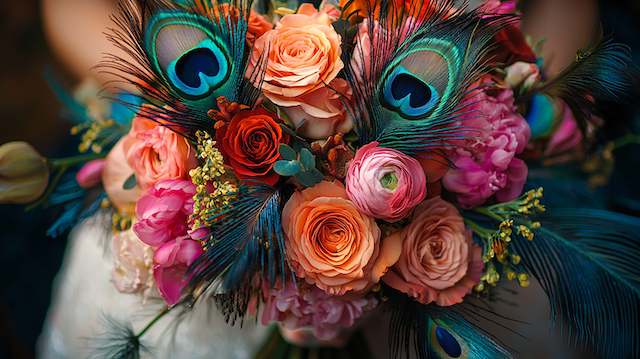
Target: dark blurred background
29 260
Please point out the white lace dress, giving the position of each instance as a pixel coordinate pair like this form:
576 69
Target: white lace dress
84 294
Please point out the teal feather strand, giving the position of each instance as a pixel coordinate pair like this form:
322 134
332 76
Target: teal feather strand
246 240
586 261
77 111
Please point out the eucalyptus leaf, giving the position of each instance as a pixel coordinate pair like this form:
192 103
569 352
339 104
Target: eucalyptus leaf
130 183
287 153
287 168
308 159
309 178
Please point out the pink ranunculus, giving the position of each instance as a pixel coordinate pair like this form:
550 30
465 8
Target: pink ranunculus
171 262
163 213
90 175
439 262
309 307
384 183
485 164
321 113
155 152
133 264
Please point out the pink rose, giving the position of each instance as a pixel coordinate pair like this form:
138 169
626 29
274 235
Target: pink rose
155 153
303 54
486 165
115 173
90 175
321 113
163 213
309 307
439 262
133 264
171 262
384 183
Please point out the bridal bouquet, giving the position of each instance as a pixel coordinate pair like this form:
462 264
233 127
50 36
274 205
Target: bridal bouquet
311 165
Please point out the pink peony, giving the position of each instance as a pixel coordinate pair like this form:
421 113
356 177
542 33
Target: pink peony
439 262
163 213
309 307
485 164
171 262
90 175
384 183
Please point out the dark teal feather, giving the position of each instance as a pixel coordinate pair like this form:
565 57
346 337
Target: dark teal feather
246 240
409 88
587 262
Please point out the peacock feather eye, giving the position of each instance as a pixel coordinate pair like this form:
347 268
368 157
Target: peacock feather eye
408 95
188 54
447 342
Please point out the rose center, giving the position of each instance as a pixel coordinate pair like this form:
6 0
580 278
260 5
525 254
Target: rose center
389 181
436 246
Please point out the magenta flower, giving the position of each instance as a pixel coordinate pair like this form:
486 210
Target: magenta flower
171 262
163 213
310 307
384 183
485 164
90 175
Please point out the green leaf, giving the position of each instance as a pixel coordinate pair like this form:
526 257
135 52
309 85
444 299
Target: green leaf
309 178
287 168
130 183
308 159
287 153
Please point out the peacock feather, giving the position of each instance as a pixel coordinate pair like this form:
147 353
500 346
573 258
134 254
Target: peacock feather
410 71
586 262
182 56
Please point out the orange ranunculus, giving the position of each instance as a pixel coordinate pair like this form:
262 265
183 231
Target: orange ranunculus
303 54
249 143
258 25
155 152
439 261
331 244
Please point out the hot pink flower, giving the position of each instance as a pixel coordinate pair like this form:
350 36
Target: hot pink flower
163 213
90 175
309 307
566 137
171 262
439 261
497 7
384 183
486 165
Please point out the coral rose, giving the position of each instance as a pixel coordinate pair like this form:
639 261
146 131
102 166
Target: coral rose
321 113
385 183
172 261
250 142
439 261
163 213
331 244
115 173
303 54
155 152
257 27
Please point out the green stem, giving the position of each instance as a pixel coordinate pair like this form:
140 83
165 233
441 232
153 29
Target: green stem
628 139
75 160
488 213
153 322
478 229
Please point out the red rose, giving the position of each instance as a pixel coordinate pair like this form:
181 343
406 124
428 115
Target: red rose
249 144
513 46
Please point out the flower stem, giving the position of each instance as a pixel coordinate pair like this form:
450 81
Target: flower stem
153 321
75 160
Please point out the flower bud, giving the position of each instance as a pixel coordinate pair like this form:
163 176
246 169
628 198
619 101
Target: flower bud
24 173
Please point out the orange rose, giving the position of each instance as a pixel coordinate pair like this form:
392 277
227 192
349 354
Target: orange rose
331 244
303 54
155 152
439 261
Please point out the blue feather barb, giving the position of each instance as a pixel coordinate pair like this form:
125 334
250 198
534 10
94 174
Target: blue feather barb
586 262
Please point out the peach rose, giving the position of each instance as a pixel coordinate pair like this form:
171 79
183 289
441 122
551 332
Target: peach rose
321 113
155 152
439 261
303 54
331 244
115 174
